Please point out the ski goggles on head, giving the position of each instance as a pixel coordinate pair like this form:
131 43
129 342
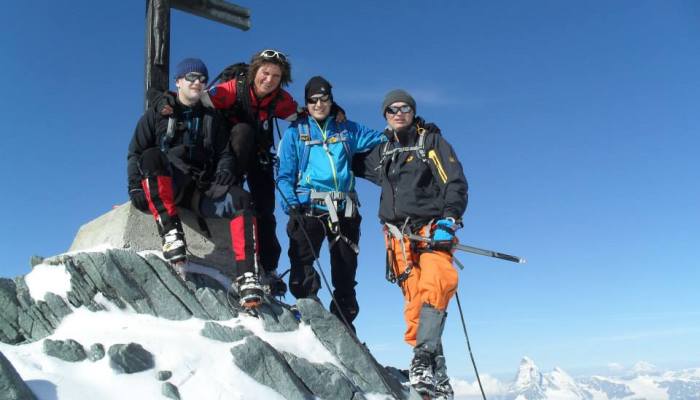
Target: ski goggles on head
195 76
315 99
269 53
393 110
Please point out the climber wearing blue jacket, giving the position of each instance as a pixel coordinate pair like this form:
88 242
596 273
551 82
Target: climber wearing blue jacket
318 186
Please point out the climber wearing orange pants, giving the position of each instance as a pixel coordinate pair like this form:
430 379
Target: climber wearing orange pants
424 192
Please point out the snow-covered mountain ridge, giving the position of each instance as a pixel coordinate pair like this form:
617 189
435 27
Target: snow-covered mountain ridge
642 382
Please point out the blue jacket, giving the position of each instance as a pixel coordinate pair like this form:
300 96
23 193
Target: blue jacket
328 166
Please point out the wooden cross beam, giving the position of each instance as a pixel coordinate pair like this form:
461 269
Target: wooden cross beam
158 32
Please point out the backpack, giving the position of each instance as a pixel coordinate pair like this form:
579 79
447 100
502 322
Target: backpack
233 71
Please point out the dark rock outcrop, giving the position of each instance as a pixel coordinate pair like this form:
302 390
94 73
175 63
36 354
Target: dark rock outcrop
12 387
277 318
122 277
66 350
148 285
164 375
226 334
96 352
170 391
324 380
130 358
267 366
362 368
215 303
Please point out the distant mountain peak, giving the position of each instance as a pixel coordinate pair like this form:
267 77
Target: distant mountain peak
528 382
644 368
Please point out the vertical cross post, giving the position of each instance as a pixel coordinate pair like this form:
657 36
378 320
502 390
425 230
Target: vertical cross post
157 60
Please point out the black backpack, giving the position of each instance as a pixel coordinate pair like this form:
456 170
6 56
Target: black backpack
233 71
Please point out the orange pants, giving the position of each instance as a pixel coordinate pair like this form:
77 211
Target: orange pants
432 279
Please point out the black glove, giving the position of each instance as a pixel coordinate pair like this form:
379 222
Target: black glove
138 199
165 104
223 177
294 209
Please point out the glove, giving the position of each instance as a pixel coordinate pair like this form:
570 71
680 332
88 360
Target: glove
340 116
302 113
166 104
444 234
294 209
138 199
223 177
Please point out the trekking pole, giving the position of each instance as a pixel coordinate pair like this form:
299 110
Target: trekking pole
474 250
469 347
333 299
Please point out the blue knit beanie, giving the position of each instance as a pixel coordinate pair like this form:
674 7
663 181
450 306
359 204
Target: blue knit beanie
190 65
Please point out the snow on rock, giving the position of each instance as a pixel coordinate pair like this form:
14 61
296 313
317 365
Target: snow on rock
561 385
529 382
46 278
119 300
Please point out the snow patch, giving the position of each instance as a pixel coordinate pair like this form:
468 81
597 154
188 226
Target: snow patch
46 278
202 368
98 248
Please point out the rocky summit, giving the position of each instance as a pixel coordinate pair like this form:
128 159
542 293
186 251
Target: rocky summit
203 336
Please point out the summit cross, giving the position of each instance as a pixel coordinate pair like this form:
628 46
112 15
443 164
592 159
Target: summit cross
158 33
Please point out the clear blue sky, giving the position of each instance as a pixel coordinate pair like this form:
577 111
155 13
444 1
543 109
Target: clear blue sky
576 122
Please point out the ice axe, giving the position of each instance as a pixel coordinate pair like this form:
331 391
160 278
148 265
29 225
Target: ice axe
470 249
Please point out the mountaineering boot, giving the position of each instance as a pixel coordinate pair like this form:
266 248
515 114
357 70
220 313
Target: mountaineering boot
431 323
175 251
244 244
420 375
273 284
174 247
443 389
250 290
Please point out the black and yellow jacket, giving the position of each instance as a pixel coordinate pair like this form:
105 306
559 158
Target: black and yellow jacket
420 185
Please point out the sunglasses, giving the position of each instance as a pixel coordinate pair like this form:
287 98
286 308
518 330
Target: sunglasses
269 53
395 110
323 99
195 76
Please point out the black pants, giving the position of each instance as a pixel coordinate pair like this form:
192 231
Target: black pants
303 278
246 147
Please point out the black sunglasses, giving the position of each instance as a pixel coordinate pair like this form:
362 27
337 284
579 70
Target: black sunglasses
269 53
195 76
395 110
314 100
